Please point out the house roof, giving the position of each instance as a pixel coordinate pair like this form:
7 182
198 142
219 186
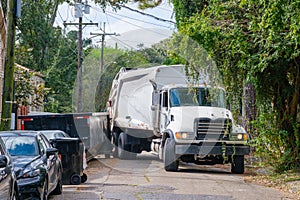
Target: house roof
30 70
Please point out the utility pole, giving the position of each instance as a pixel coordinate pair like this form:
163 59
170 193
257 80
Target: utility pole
79 63
9 66
102 50
79 9
102 46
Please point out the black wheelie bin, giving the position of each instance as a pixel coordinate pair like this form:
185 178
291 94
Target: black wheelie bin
71 151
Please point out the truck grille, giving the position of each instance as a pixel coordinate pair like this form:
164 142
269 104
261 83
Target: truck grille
217 129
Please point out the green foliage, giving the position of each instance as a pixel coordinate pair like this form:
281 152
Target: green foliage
186 8
37 39
61 75
256 42
271 144
143 4
127 59
28 92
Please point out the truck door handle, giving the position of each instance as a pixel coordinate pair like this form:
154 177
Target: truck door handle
127 117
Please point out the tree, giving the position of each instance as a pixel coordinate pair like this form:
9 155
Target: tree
61 75
7 96
37 39
258 42
127 59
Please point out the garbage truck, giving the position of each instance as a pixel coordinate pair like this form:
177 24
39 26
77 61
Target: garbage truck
163 109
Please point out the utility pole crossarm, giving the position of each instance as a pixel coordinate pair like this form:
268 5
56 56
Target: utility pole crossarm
83 24
100 34
102 46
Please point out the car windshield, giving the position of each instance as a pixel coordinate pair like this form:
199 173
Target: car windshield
21 145
197 97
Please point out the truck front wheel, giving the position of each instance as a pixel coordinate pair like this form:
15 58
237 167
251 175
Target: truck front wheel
237 164
170 159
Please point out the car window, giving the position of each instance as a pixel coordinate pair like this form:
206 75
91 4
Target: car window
42 144
59 135
45 140
21 145
49 135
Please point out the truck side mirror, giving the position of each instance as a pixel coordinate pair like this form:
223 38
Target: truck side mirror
154 107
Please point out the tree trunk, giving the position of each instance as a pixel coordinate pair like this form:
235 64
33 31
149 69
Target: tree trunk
8 87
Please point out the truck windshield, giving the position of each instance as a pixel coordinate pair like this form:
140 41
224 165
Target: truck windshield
197 97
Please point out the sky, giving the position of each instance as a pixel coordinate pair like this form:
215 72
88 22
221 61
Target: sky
132 28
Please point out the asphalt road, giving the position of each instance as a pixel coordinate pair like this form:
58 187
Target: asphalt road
145 179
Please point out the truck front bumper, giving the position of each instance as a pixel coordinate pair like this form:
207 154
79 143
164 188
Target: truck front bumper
184 149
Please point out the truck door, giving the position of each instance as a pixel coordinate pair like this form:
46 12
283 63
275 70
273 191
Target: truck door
164 104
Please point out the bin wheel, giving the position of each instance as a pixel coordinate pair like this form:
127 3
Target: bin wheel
84 178
75 179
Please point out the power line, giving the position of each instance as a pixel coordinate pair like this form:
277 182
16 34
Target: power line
138 20
146 14
125 44
137 25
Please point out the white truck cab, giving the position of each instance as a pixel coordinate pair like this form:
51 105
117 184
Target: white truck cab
159 109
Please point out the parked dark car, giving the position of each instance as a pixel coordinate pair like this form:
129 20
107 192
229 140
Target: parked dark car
53 134
8 181
36 164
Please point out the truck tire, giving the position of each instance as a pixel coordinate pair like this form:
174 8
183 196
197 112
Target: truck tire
123 148
115 143
237 164
171 161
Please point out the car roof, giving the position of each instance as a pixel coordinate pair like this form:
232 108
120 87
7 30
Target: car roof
18 133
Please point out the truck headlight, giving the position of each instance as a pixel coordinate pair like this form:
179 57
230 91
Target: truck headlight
185 136
242 136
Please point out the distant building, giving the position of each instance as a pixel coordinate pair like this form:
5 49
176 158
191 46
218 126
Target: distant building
37 80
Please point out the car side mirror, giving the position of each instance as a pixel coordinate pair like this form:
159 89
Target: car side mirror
3 161
51 151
